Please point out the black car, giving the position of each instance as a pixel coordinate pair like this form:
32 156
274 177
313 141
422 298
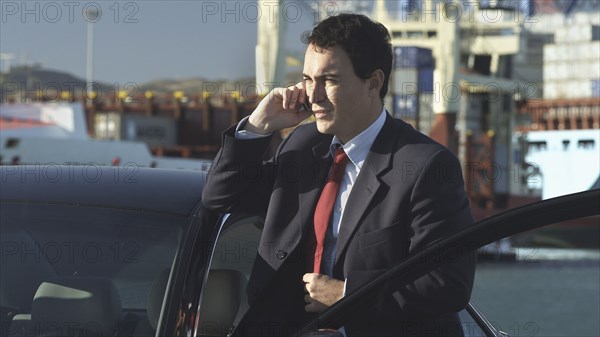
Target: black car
122 251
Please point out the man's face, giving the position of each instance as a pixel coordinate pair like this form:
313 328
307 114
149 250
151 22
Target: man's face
339 99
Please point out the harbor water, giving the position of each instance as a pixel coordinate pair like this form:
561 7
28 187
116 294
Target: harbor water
543 293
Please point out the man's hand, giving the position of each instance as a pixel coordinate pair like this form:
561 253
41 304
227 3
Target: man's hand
278 110
323 291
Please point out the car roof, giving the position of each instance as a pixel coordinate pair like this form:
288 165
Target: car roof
129 187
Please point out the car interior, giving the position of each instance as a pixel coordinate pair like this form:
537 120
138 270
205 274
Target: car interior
77 271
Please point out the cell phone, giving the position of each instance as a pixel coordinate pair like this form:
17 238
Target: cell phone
305 106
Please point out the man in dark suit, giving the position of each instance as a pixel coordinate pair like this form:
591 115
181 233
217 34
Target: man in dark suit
346 197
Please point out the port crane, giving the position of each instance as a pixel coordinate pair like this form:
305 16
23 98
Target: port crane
454 35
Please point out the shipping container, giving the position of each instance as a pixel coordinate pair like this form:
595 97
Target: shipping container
562 71
575 70
585 70
559 89
577 33
590 32
194 127
586 18
551 90
549 72
573 89
593 50
551 53
413 57
406 81
406 107
570 52
562 52
595 88
577 88
426 80
154 131
560 36
593 70
556 71
582 51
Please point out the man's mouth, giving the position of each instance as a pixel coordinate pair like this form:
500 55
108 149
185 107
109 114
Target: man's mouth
320 113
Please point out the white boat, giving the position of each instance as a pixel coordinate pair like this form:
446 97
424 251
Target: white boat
56 133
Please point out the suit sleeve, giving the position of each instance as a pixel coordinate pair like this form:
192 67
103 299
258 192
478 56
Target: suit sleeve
238 177
438 208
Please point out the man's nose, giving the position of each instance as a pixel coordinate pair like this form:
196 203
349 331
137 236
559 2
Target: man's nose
316 92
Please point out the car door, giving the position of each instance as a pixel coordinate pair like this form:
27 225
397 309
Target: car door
223 301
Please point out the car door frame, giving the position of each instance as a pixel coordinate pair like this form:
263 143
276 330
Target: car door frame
179 315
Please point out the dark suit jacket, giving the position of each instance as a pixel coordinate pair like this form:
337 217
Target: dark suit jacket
409 194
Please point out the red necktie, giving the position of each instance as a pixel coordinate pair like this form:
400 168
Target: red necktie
325 204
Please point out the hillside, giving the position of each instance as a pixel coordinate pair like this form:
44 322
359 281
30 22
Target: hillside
35 78
51 82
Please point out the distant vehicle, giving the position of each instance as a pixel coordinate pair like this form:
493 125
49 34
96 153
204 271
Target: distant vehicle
56 133
104 251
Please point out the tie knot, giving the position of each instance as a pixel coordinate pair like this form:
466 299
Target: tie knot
340 156
339 164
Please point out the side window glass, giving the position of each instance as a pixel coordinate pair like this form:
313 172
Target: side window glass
75 270
224 299
470 327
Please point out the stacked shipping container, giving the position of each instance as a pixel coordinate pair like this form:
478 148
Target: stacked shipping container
412 86
189 127
572 63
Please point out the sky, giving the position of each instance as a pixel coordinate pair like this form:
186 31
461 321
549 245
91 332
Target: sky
139 41
143 40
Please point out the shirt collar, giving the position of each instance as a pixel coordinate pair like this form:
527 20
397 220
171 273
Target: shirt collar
358 147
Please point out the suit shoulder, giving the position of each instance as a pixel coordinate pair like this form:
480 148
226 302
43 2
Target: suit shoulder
417 145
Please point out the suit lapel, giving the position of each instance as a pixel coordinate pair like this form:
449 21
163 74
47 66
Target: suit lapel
313 182
368 182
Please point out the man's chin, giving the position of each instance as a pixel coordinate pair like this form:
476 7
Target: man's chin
324 128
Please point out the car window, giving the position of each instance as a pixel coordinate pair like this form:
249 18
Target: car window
237 245
544 282
224 298
471 328
69 248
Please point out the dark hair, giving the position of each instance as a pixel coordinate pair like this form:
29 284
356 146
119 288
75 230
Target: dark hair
366 42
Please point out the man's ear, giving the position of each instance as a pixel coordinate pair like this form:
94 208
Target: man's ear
376 81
